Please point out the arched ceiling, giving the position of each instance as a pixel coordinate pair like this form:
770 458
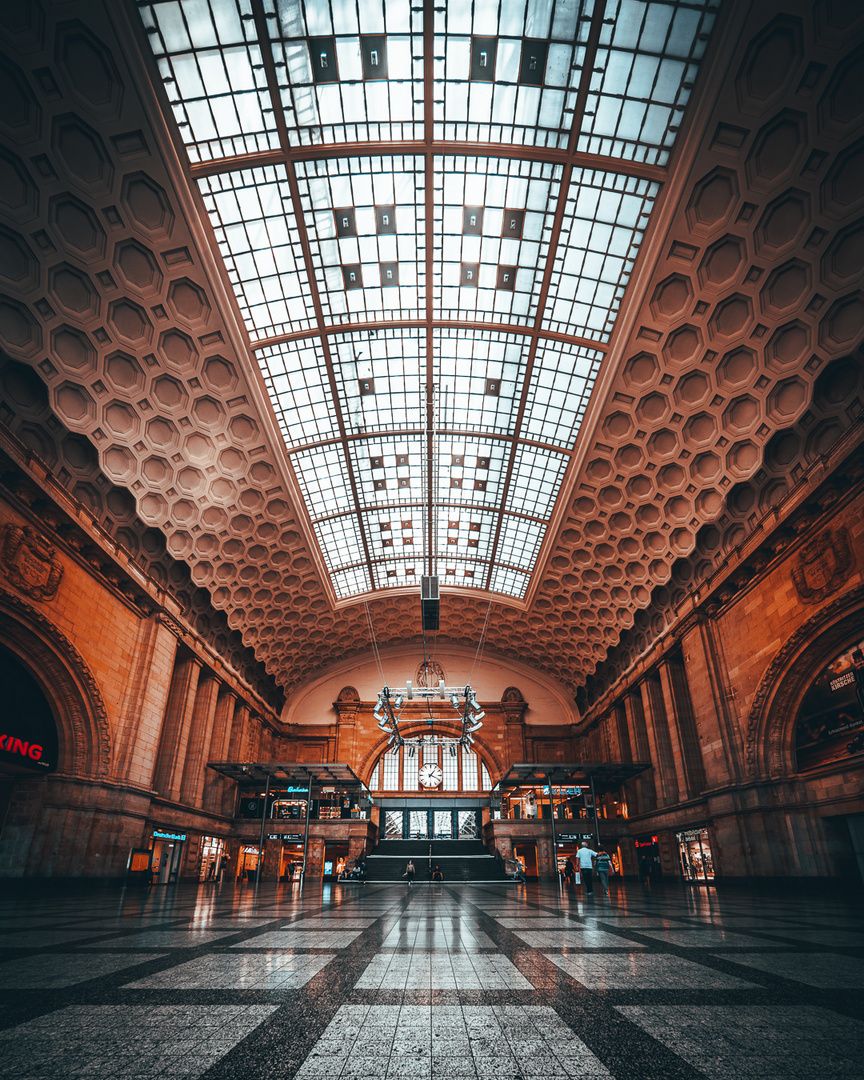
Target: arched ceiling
531 312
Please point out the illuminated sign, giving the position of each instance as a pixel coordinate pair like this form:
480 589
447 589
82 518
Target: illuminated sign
28 738
285 836
158 835
563 790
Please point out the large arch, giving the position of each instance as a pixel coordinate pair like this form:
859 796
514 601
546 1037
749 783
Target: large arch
65 679
491 760
769 740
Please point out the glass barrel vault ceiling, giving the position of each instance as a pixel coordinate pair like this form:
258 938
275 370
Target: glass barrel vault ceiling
429 214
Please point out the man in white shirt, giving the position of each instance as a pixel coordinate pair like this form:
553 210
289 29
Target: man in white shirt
585 858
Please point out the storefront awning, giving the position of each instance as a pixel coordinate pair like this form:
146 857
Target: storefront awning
568 774
296 773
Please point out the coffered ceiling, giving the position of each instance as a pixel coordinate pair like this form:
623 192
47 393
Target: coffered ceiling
555 300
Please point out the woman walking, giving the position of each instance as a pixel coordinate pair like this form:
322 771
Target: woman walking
409 872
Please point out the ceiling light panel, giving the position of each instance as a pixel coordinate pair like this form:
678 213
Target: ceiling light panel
296 379
537 475
480 375
256 231
341 200
518 82
348 71
646 63
380 378
476 201
604 221
210 62
561 382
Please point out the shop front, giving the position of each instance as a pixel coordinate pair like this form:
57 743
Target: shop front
212 852
694 851
167 856
286 857
248 862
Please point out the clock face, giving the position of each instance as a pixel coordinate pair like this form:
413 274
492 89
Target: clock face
431 775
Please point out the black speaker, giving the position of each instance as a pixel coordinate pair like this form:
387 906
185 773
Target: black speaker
429 603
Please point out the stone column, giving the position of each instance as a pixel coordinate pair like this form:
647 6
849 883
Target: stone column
203 717
346 707
657 728
682 730
236 746
635 715
215 785
176 726
713 702
513 705
147 686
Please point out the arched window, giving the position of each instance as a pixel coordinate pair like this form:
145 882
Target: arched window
461 767
830 722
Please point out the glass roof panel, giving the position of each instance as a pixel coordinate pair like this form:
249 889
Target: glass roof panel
509 581
644 72
537 475
211 65
509 73
365 217
480 375
329 251
256 231
464 532
493 223
349 71
389 471
469 472
561 383
351 582
340 541
324 480
604 220
380 377
295 375
519 542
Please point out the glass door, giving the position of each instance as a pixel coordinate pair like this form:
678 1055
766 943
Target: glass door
418 824
468 825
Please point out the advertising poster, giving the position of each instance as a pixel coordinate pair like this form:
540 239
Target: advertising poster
830 725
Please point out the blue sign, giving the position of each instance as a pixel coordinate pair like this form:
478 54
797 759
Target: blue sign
169 835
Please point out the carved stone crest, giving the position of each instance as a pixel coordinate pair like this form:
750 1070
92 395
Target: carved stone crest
823 565
30 562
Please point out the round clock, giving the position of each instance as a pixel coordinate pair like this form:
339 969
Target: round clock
431 775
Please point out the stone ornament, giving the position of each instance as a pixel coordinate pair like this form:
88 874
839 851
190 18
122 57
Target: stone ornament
30 562
823 565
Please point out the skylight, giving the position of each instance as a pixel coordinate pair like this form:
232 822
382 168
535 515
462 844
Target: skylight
428 252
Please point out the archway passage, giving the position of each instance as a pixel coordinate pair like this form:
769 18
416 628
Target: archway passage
28 733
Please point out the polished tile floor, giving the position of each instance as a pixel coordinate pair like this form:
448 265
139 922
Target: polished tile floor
503 982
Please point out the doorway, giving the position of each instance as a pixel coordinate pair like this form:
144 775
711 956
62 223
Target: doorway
165 863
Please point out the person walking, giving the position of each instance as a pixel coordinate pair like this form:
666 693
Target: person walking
410 872
602 866
585 858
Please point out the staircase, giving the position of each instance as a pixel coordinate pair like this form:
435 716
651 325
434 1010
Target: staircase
459 860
